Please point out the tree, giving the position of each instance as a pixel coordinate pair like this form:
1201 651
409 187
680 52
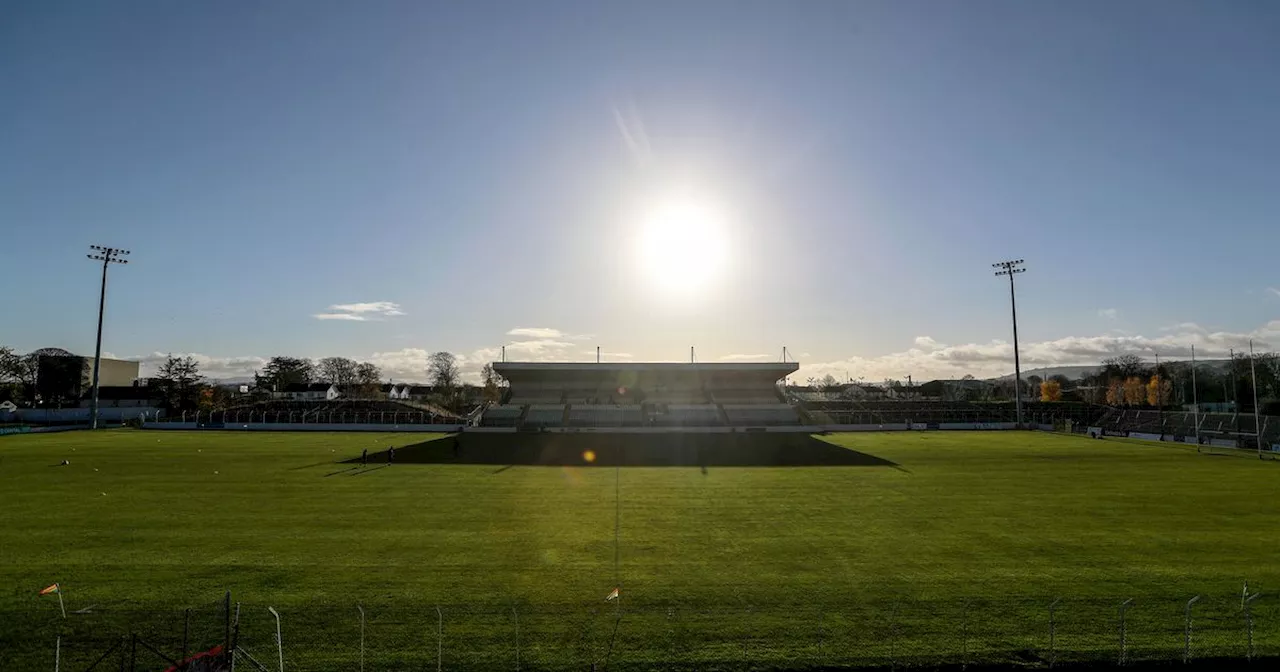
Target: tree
338 371
19 373
282 371
1050 390
368 378
179 382
1135 392
1034 381
59 380
1060 379
1123 366
1115 392
493 383
1159 391
442 369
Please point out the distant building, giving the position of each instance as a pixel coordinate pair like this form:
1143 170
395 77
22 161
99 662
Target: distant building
121 396
63 378
308 392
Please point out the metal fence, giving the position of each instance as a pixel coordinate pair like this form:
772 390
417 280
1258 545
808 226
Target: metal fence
217 418
651 635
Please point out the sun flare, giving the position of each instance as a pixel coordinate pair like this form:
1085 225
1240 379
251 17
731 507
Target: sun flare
683 246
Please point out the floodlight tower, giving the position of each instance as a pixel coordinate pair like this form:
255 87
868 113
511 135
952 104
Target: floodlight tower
108 256
1011 268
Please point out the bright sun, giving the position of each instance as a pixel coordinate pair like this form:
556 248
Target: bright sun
683 246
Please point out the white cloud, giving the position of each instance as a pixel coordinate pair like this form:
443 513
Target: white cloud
546 333
536 332
996 357
1108 313
743 358
210 367
372 311
927 343
606 356
340 316
1274 290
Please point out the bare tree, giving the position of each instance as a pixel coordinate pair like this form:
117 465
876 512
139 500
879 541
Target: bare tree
442 369
338 371
368 378
493 383
179 382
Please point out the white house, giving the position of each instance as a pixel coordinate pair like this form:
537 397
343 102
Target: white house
308 392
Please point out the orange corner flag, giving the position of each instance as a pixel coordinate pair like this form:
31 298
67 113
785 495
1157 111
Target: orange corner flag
54 589
612 596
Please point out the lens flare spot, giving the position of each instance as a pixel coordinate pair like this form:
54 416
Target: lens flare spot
589 456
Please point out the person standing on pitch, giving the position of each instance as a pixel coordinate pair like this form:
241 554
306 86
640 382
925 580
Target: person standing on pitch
456 446
364 457
391 455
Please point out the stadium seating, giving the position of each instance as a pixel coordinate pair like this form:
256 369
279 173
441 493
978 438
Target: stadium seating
587 415
502 416
686 415
746 397
544 415
761 414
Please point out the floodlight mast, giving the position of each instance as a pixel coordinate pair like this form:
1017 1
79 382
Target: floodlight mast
1010 268
108 256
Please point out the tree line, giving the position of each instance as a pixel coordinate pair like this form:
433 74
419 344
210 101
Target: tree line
179 385
1129 380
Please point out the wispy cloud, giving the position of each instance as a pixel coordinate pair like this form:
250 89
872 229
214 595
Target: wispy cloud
371 311
536 332
604 356
743 358
1273 290
1108 313
633 134
546 332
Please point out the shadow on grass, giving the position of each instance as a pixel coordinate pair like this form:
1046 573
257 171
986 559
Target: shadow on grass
743 449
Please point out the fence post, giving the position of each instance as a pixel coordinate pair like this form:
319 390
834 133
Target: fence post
133 653
893 637
1248 620
1124 640
439 638
1053 649
186 635
279 641
516 617
964 636
57 654
226 642
361 609
1186 642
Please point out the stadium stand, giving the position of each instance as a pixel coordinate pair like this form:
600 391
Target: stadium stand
641 395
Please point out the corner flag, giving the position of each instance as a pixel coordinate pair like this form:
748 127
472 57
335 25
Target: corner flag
56 589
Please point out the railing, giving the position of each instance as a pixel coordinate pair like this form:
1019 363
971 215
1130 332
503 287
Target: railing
825 630
244 417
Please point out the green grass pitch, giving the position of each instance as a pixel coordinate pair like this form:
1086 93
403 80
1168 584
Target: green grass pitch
955 550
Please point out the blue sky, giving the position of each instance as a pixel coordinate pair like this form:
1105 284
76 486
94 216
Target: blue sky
488 169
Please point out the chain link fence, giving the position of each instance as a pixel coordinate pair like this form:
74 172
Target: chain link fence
652 635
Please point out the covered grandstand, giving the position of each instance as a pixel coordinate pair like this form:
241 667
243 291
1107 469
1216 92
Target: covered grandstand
635 395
